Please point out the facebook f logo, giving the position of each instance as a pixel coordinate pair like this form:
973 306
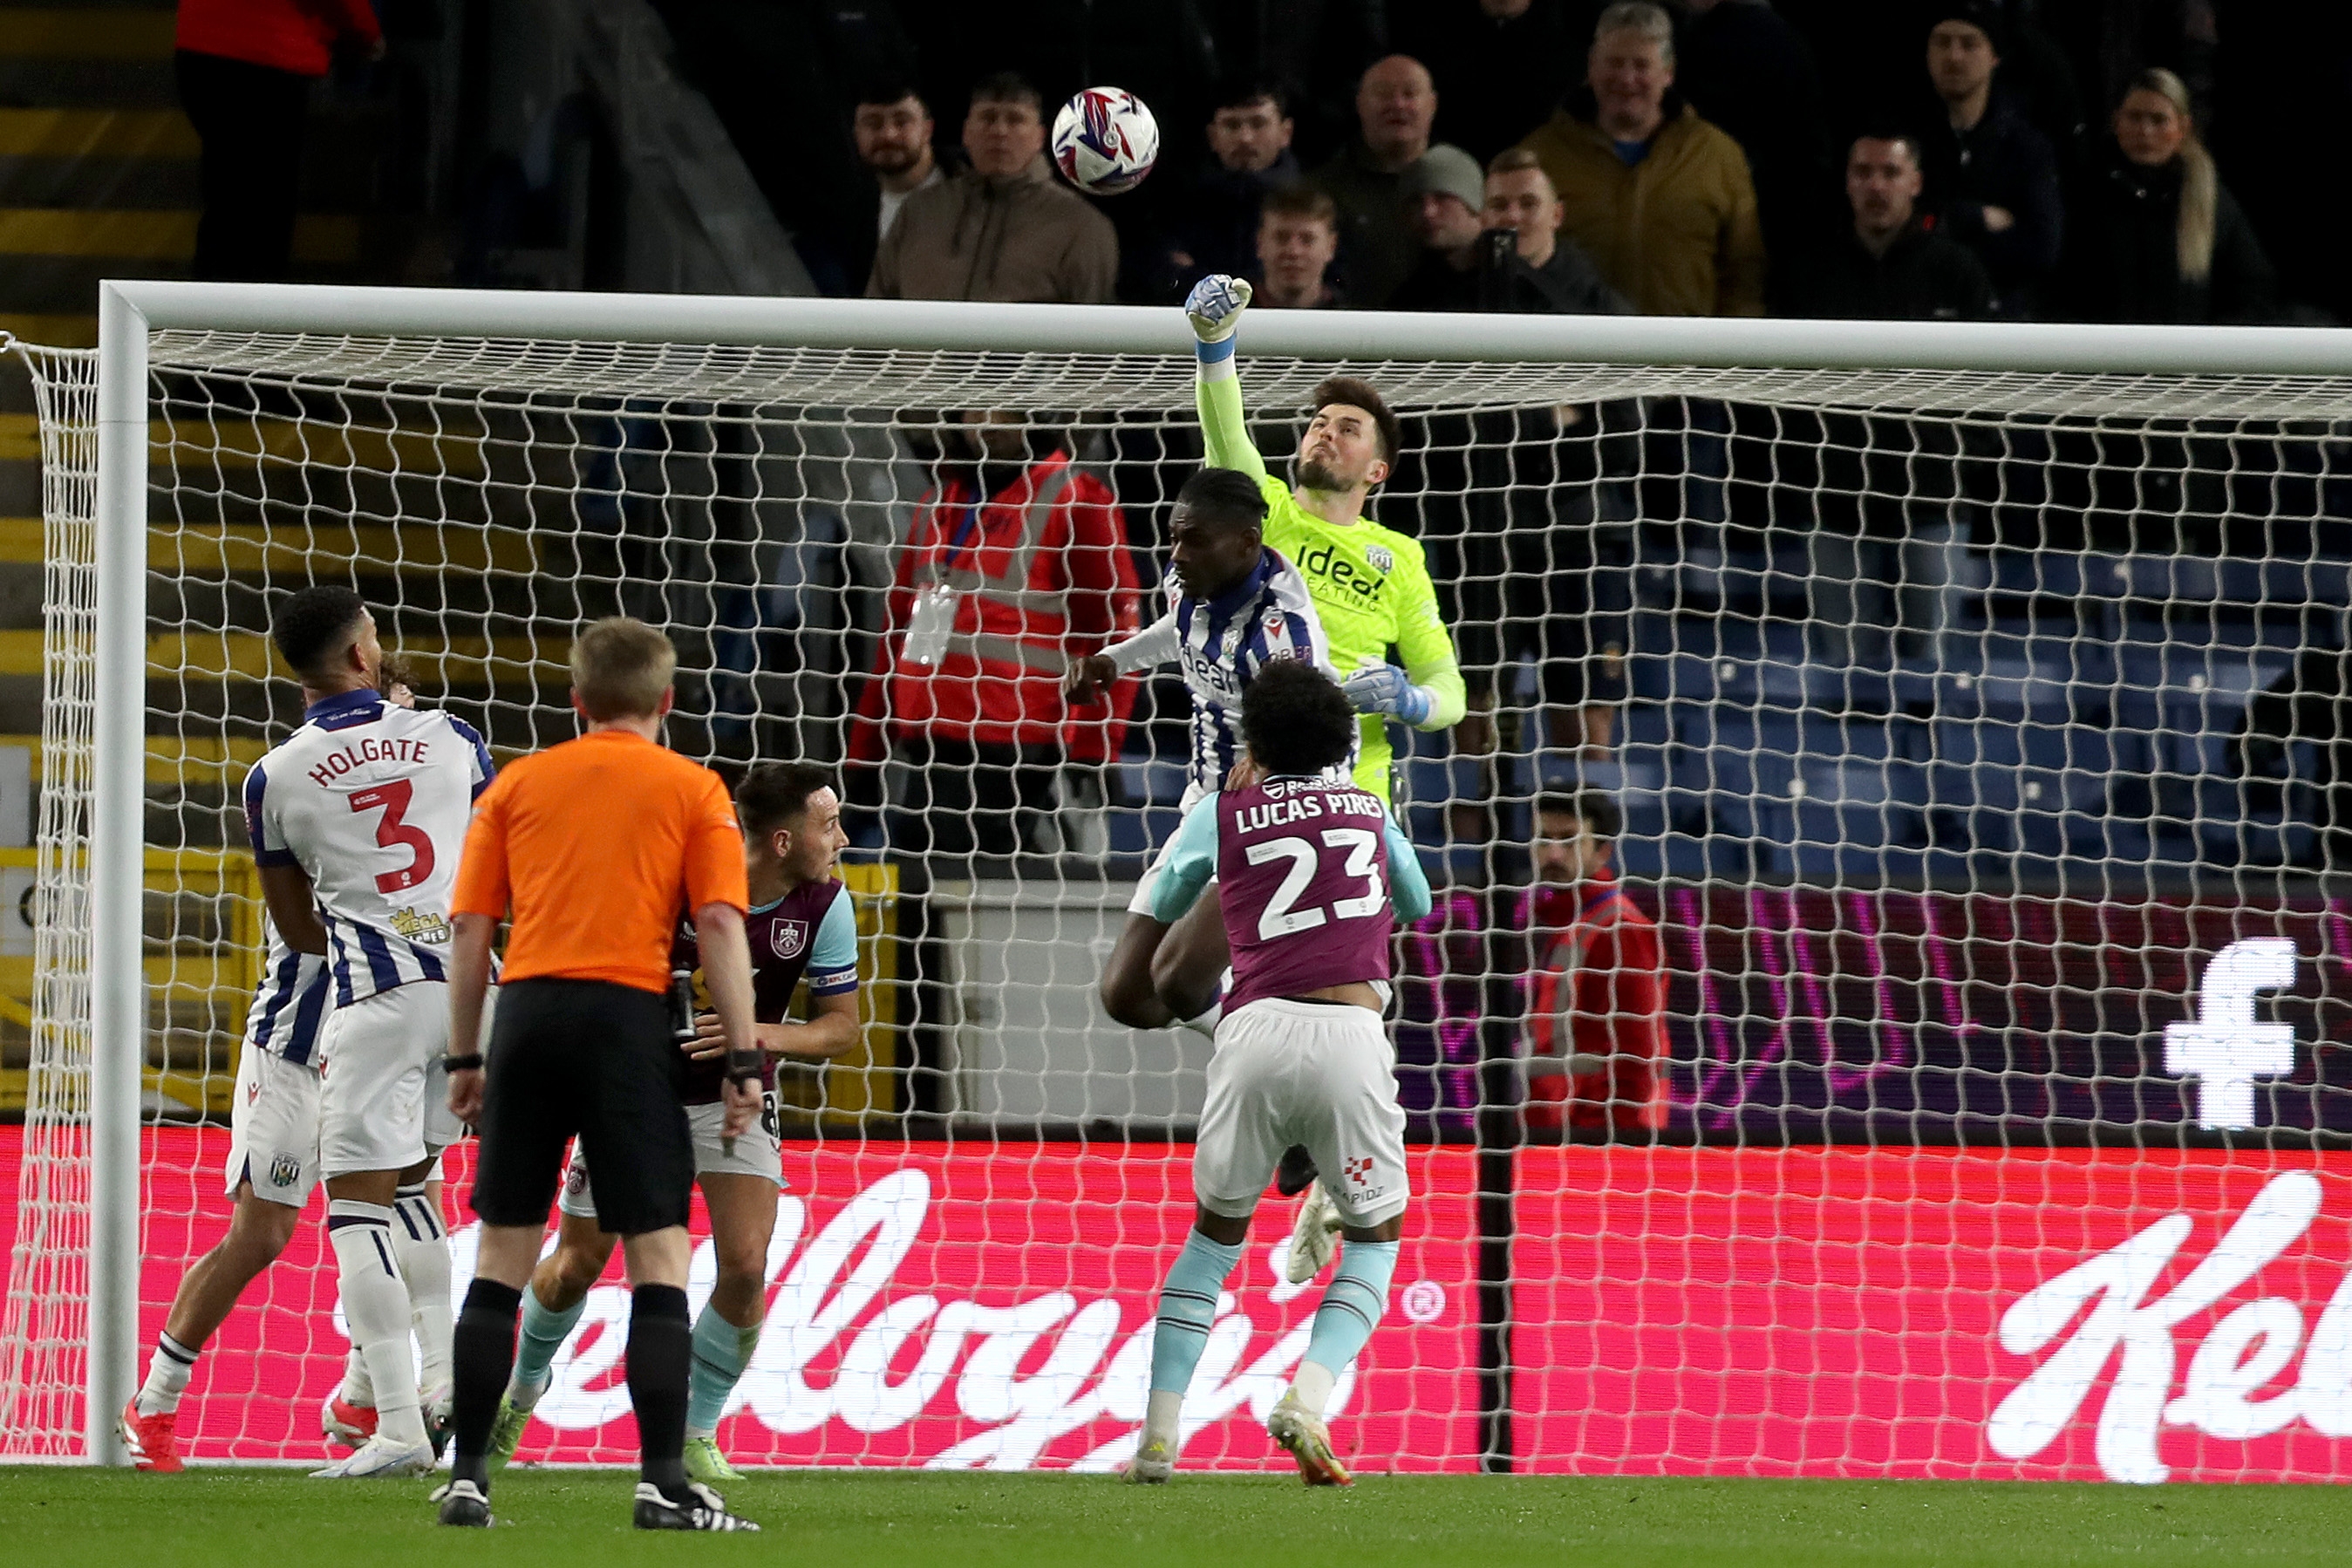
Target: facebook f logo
2225 1050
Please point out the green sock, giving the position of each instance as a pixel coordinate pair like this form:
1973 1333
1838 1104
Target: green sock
721 1352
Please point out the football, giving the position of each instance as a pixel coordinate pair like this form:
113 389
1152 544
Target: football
1105 141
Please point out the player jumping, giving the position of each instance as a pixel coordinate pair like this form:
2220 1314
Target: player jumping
1371 587
357 820
801 920
1312 876
1233 606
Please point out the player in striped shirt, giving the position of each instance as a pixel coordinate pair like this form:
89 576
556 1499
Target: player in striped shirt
1234 605
356 821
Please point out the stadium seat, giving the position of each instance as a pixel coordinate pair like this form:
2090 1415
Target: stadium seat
1857 819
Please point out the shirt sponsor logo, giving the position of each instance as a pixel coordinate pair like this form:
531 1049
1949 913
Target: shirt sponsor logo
421 925
789 938
1326 563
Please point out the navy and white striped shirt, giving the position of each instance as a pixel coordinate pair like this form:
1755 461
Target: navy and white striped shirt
290 1004
373 802
1221 643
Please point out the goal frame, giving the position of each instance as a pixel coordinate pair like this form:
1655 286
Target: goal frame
129 311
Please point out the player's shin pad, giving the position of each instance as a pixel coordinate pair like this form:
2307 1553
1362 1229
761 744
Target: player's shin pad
543 1333
375 1303
721 1352
1353 1305
1188 1305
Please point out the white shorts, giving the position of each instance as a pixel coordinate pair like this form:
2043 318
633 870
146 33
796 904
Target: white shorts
273 1140
759 1152
1302 1072
384 1101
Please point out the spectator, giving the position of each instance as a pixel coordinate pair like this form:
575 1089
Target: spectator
1316 48
1596 1025
2155 236
244 70
1745 70
1394 106
1500 66
1892 265
1297 239
1444 197
1217 226
1889 543
1016 563
1992 180
1657 197
1521 198
1492 242
892 127
1003 229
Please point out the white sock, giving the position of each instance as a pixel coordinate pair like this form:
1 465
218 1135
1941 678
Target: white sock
168 1370
359 1388
421 1248
1159 1418
1311 1383
375 1304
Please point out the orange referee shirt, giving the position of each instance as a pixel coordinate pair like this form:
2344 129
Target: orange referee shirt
596 845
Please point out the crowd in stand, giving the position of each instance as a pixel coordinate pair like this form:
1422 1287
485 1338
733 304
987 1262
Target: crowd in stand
1547 155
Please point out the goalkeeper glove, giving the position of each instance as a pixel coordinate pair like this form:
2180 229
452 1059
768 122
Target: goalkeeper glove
1214 308
1384 689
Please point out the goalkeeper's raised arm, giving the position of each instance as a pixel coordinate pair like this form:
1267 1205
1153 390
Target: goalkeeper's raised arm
1370 584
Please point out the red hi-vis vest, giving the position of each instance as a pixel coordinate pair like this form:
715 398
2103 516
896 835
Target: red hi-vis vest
1596 991
1041 576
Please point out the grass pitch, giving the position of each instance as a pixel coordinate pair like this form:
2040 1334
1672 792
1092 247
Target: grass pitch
277 1519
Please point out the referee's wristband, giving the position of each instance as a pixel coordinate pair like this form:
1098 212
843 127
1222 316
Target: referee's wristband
470 1062
746 1065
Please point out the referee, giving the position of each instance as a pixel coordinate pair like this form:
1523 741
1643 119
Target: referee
594 847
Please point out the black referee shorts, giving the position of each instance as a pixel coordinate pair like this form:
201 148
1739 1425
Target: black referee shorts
585 1058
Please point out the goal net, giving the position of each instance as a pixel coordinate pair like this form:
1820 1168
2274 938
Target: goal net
1966 955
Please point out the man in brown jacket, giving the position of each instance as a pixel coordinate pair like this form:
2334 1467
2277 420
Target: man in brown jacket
1004 229
1657 197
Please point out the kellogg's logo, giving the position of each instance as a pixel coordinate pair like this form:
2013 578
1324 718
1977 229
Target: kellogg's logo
2127 1328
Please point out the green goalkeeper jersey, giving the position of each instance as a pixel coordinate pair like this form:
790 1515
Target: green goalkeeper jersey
1371 584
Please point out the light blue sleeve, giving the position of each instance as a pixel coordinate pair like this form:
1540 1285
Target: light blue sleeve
1188 865
833 957
1408 883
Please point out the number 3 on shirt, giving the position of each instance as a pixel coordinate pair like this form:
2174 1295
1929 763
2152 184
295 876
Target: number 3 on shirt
1280 918
393 832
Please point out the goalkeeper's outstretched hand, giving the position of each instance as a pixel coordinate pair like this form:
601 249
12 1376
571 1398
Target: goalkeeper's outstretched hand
1216 306
1384 689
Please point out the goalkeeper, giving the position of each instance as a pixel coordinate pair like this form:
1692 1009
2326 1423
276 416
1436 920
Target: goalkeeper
1369 584
1372 591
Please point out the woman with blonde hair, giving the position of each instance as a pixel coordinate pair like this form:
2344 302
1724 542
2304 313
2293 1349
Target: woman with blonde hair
2154 236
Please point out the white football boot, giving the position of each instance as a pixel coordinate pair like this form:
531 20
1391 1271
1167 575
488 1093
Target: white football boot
1152 1465
1314 1238
380 1459
1291 1424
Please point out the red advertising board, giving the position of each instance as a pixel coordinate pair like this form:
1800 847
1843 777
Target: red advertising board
2048 1315
987 1310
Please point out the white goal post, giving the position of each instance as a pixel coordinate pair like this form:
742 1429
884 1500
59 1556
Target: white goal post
2091 371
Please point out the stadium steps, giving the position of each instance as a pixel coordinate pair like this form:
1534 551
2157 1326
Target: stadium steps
98 169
